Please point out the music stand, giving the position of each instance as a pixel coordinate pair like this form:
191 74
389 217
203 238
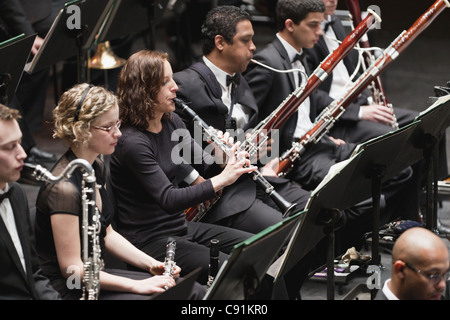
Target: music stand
348 183
432 123
240 276
131 16
14 54
61 42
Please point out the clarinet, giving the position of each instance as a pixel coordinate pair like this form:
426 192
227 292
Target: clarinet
213 262
91 251
169 261
211 133
330 114
290 105
376 86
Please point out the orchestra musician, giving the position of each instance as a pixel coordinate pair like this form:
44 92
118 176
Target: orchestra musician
204 86
146 176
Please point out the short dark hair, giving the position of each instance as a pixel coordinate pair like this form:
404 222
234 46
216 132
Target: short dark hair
221 20
296 10
7 113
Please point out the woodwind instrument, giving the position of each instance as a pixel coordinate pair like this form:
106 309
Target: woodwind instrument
91 225
213 262
290 105
376 86
330 114
169 261
193 214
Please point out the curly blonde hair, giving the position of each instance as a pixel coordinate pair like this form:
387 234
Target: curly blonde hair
73 115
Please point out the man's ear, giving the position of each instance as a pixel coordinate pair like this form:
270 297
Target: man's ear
219 42
289 25
398 267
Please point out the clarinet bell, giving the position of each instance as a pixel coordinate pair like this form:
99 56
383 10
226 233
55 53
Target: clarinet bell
289 210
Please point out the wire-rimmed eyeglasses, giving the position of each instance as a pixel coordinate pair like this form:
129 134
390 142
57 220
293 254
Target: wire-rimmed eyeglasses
435 278
110 128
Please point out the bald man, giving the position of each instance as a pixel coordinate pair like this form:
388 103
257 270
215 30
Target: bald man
420 267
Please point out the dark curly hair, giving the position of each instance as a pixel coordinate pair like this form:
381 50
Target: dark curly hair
221 20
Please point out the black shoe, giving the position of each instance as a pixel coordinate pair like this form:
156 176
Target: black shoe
41 155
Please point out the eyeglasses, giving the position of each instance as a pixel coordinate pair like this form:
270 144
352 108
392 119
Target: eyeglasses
435 279
110 128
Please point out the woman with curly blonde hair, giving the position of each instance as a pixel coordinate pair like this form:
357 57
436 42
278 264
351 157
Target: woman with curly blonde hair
87 120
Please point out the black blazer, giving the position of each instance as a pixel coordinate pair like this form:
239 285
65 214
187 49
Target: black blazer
199 86
14 283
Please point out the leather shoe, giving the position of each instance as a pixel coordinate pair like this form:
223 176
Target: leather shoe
41 155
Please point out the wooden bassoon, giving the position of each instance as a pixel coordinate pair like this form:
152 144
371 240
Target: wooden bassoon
326 119
376 86
261 133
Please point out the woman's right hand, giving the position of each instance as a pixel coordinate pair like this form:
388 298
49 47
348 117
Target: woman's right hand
153 284
237 165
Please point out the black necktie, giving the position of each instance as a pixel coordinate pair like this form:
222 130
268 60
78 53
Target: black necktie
234 81
5 195
299 58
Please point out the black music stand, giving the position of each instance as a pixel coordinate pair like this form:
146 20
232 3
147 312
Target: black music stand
432 124
348 183
62 43
240 276
14 54
132 16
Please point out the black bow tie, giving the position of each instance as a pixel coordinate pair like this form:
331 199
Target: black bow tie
299 57
5 195
328 24
233 79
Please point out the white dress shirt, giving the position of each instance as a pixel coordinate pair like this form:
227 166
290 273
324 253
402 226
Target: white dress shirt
240 113
303 121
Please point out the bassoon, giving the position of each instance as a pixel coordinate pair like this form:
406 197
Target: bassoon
376 86
290 105
330 114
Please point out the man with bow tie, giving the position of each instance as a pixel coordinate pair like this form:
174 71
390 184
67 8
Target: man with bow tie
364 119
20 274
220 95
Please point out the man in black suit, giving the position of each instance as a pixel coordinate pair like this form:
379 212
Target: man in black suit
20 274
365 119
228 47
204 86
